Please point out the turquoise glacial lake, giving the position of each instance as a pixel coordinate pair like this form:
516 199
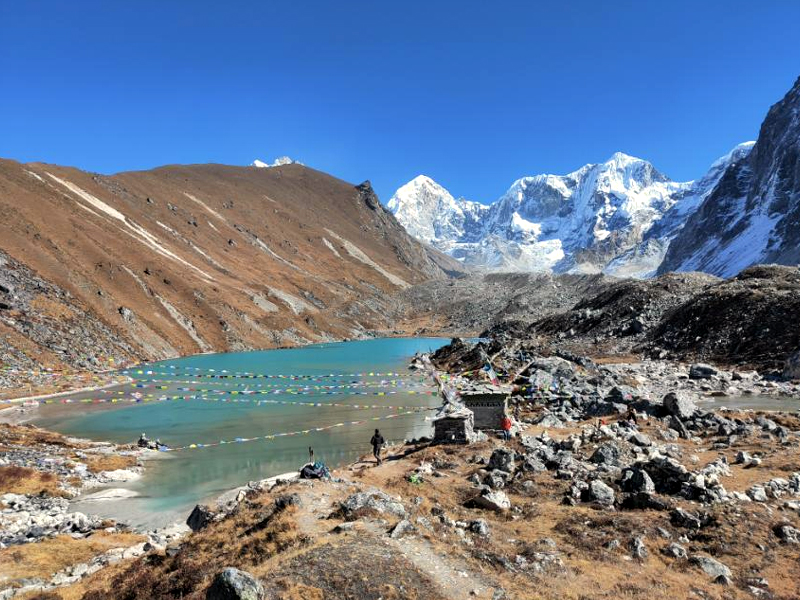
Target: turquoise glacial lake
352 374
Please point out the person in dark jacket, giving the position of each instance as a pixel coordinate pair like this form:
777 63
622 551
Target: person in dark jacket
377 442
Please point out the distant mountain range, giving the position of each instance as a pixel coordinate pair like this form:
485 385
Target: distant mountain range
624 217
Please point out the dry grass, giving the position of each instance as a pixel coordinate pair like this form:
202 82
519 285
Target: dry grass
45 558
29 435
51 308
247 539
109 462
616 359
20 480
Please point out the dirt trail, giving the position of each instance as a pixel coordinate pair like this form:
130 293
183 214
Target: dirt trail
451 575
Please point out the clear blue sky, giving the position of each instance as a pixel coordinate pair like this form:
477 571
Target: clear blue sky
473 94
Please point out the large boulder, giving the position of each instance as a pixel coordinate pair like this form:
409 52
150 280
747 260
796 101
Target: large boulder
623 394
786 533
233 584
201 517
600 493
710 566
679 405
503 459
362 504
492 500
606 454
636 481
702 371
668 474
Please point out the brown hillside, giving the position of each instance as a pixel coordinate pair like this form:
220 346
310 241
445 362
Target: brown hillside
186 259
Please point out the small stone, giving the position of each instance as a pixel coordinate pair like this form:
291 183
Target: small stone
638 548
479 527
674 550
403 527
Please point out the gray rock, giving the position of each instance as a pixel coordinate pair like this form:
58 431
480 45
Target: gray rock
682 518
674 550
710 566
635 480
355 506
757 494
787 534
550 421
599 492
492 500
622 394
479 527
611 544
503 459
702 371
344 527
606 454
791 368
678 404
496 479
233 584
403 527
667 474
638 548
640 439
201 517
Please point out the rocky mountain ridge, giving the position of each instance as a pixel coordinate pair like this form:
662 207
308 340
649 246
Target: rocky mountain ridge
753 213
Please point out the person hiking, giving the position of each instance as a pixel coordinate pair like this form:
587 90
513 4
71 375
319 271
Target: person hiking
506 425
377 442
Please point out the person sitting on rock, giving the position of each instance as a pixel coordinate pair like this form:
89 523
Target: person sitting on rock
143 441
506 426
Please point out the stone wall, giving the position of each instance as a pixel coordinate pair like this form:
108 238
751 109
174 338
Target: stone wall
488 408
455 429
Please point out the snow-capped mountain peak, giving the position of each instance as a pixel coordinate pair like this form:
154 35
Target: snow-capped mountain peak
587 220
279 162
430 213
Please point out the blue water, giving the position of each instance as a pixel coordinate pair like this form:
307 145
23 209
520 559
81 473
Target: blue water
178 480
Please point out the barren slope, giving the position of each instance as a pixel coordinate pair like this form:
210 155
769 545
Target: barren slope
187 259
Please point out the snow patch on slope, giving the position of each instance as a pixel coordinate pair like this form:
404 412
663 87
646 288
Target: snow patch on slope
297 305
359 255
205 206
185 323
331 248
136 231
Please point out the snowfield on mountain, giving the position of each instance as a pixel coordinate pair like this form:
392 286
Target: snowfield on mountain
616 217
